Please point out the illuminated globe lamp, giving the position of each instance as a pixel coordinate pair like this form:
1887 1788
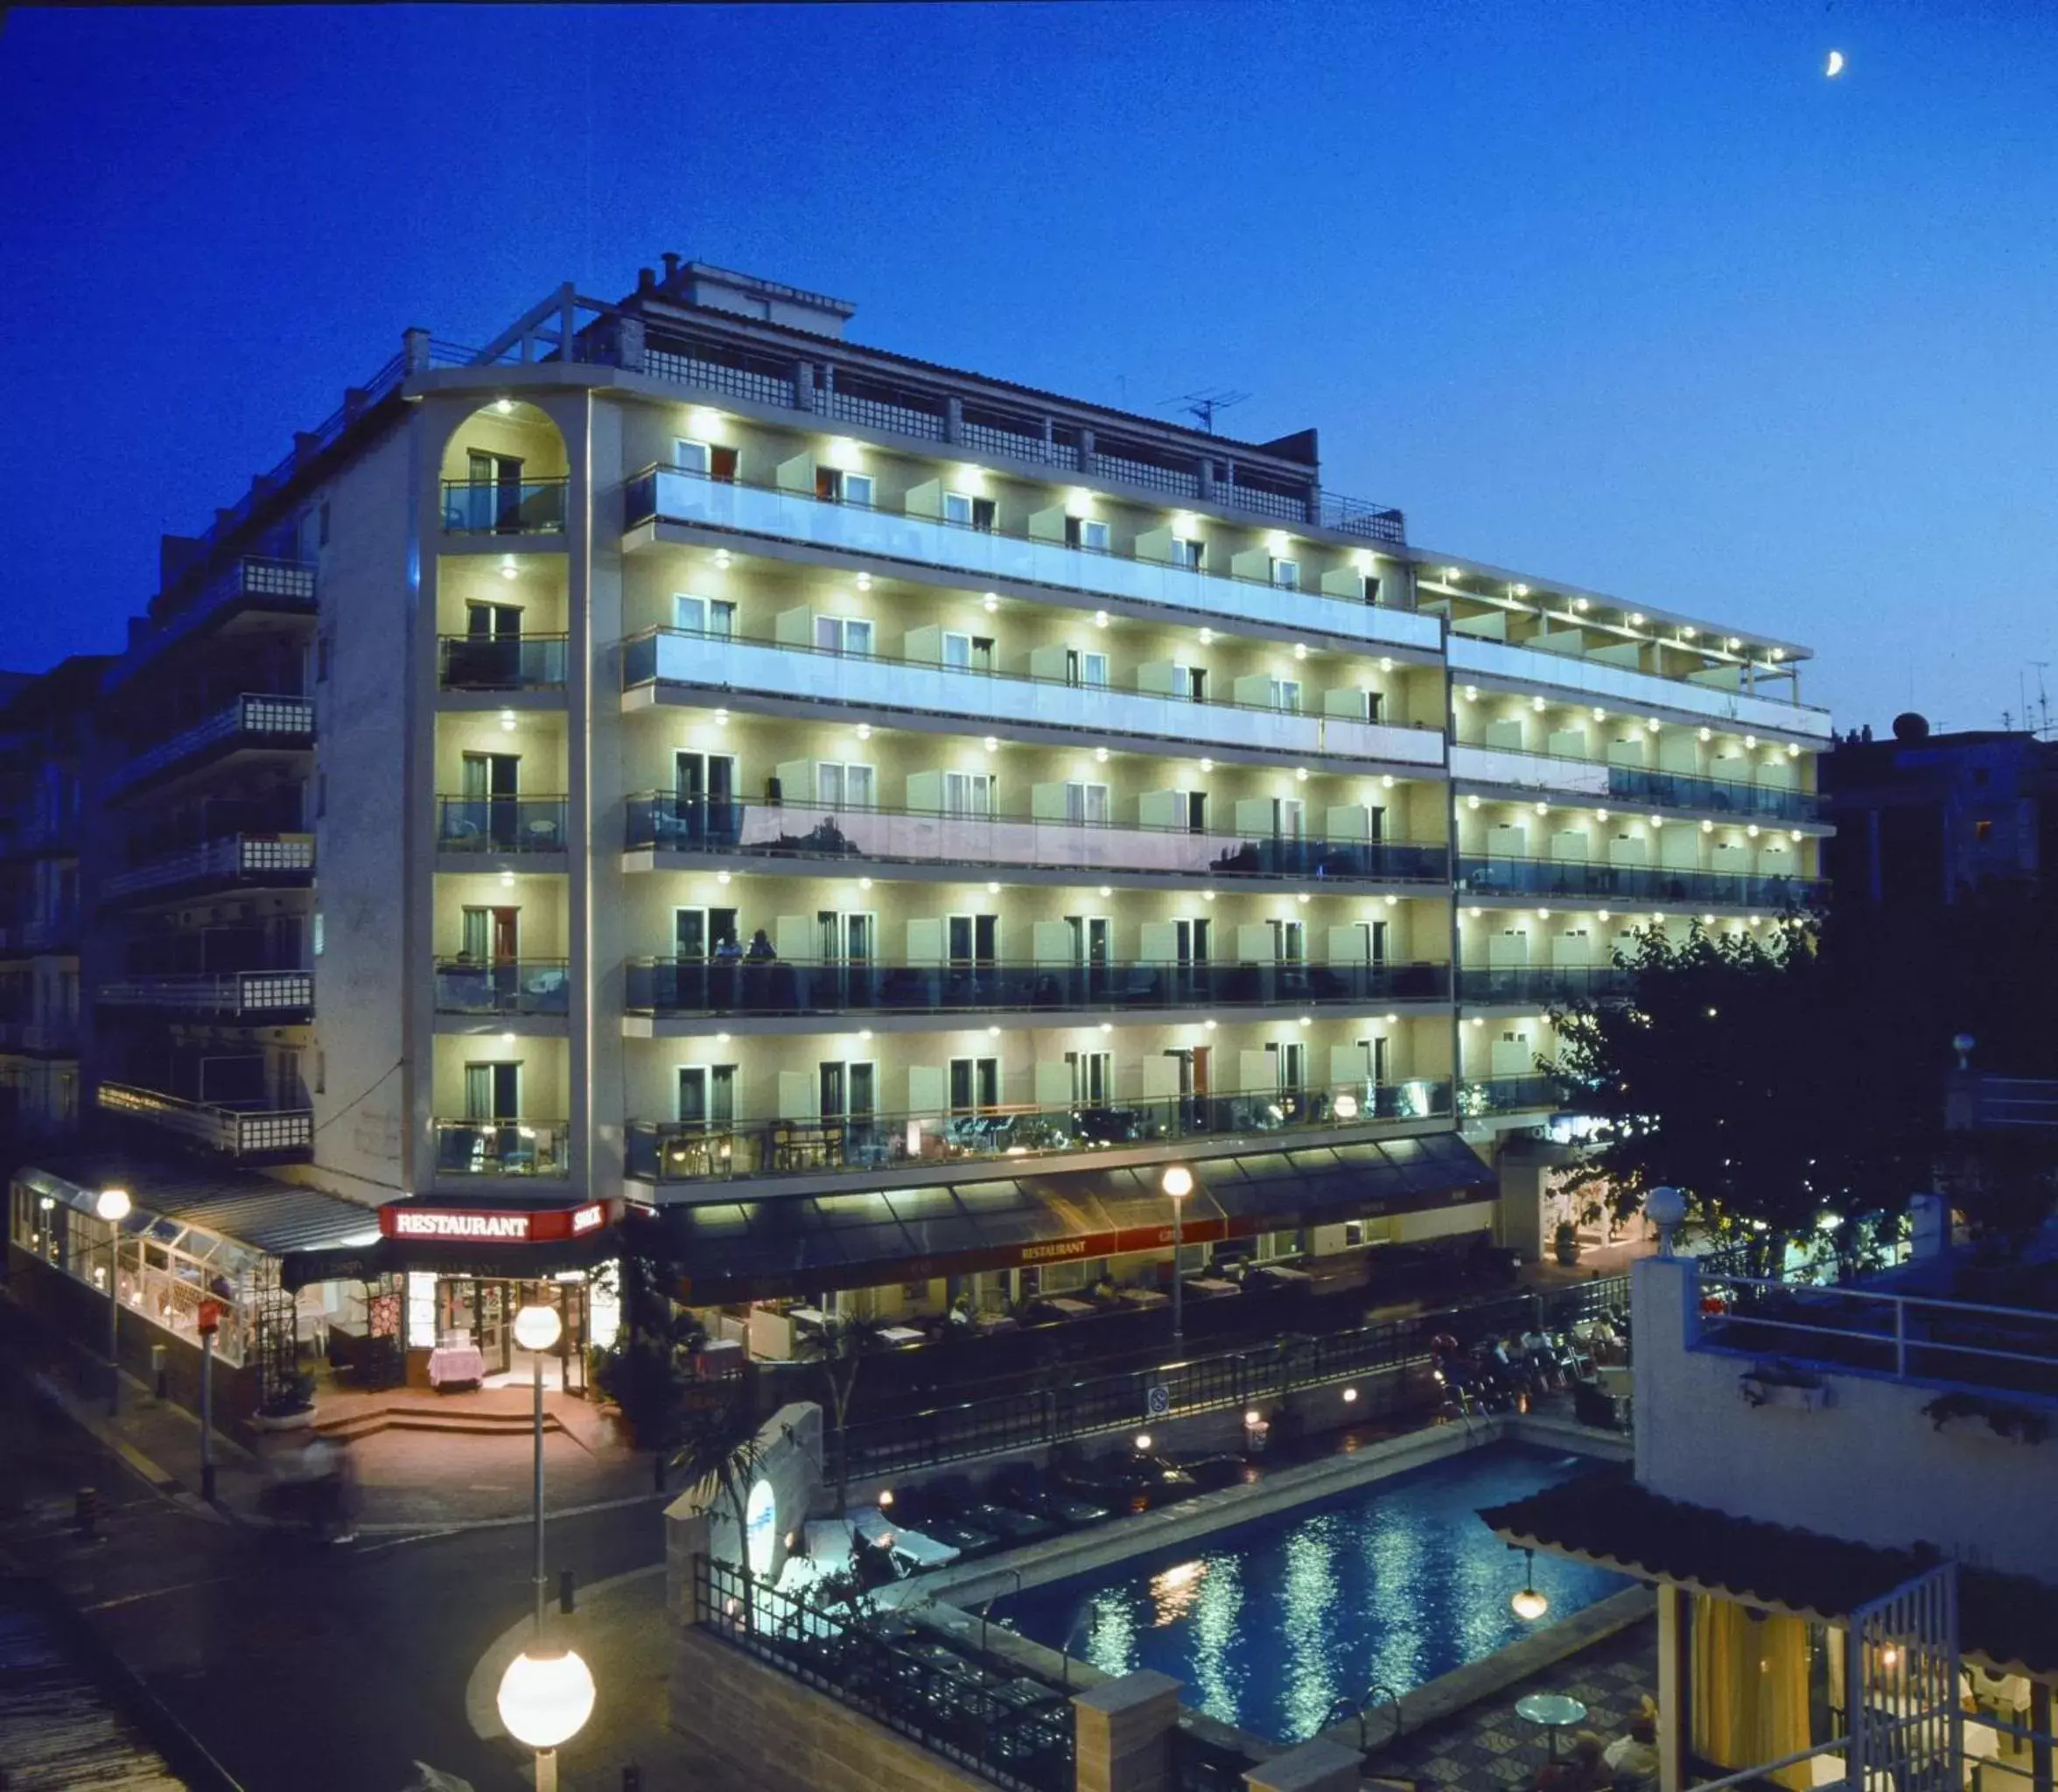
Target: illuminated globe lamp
1346 1107
545 1697
1528 1605
113 1205
537 1328
1666 1209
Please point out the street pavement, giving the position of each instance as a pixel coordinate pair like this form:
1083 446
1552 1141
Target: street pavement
304 1666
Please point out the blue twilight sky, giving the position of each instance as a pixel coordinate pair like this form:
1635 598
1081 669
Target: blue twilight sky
1628 295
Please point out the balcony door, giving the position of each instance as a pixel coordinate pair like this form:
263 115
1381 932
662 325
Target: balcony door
492 936
707 1096
974 941
703 786
969 794
496 480
974 1085
696 931
1289 1066
493 1092
1093 1078
493 785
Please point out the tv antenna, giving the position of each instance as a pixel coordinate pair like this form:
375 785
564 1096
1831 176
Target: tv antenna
2043 725
1202 405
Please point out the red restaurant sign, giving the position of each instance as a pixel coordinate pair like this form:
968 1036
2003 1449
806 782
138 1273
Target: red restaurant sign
494 1225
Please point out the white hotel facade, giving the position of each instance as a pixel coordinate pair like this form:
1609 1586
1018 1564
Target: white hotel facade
1109 793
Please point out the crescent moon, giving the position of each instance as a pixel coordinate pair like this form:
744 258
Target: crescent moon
1834 66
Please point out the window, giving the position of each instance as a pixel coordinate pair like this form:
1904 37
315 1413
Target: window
707 1095
974 939
321 941
1088 532
698 615
845 939
974 1084
1196 811
1089 938
843 634
967 512
845 786
1378 1060
1286 575
1086 669
1289 941
696 932
1087 803
1093 1077
1289 817
968 653
706 458
834 486
1983 830
1187 553
493 1091
848 1091
1369 584
321 526
967 794
1285 695
1289 1066
1191 682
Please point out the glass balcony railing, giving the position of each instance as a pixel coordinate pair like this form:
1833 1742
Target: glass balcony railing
731 666
279 723
503 662
1575 877
669 494
502 1147
1482 1095
504 986
502 824
482 508
1590 781
667 822
245 859
697 1151
1589 679
1544 983
671 986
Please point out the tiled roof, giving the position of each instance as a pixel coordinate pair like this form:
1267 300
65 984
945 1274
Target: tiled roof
1606 1518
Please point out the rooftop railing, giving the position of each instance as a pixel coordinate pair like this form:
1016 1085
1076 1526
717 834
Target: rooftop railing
1595 780
284 587
667 1151
667 823
1490 876
684 987
672 494
238 1131
250 720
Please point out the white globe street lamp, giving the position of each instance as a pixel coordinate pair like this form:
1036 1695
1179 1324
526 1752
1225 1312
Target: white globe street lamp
536 1330
113 1205
1177 1184
544 1700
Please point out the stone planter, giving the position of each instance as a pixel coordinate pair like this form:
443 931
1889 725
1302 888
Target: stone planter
283 1421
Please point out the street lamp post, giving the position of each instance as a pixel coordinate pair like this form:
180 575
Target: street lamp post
536 1329
112 1205
1177 1184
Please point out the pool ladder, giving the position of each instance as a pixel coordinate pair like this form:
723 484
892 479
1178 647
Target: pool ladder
1377 1697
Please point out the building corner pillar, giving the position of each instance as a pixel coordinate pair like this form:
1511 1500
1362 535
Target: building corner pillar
1121 1733
1314 1767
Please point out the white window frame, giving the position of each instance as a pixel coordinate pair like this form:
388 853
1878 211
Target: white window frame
1082 799
1285 574
841 627
840 773
712 611
970 795
689 450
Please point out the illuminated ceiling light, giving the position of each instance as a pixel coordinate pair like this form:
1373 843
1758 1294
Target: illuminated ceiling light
1302 898
505 406
865 883
1142 1440
1472 803
1604 914
1206 637
1301 650
1476 1021
506 1038
1106 1026
1207 895
1795 836
1100 755
721 1039
991 602
1653 725
1537 704
1392 1019
507 881
1708 921
993 886
1601 815
1100 618
1305 1021
993 1032
991 744
1107 889
1206 765
507 567
1637 619
864 731
1542 809
1751 830
1779 654
1750 740
1452 572
1350 1396
1389 900
1207 1025
1385 665
722 556
1657 820
1600 714
721 718
1386 782
1543 914
1477 912
863 581
1707 827
1300 774
1472 693
864 1034
1581 605
1734 643
1707 734
1793 751
1521 590
507 721
1688 633
722 878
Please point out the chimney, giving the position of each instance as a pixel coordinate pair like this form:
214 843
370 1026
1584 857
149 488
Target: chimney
645 279
671 264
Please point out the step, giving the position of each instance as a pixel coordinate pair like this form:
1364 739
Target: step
452 1422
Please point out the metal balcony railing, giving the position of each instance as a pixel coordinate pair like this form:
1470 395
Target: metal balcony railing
1488 876
482 508
503 662
502 1147
246 858
502 986
280 587
45 933
236 993
671 986
1500 984
1591 781
240 1132
247 721
1480 1095
502 824
667 823
717 1151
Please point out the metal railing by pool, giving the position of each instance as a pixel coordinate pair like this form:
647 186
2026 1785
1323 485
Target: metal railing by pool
984 1716
1577 878
1259 1377
685 1151
673 986
667 822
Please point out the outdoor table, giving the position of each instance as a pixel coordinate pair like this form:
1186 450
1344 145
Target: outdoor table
1981 1743
1145 1297
1211 1284
808 1316
989 1322
1554 1712
899 1335
1280 1272
1073 1309
456 1363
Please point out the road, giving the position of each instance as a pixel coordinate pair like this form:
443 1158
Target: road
300 1666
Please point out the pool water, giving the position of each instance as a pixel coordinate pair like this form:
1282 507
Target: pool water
1267 1624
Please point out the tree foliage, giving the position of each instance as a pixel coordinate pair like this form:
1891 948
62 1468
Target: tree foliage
650 1366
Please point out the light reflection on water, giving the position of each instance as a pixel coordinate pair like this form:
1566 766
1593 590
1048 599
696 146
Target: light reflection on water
1269 1623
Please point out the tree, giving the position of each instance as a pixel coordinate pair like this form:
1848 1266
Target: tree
719 1443
845 1350
649 1368
1773 1084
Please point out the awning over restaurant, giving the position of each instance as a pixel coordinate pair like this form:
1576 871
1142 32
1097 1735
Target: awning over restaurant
2008 1621
750 1249
271 1216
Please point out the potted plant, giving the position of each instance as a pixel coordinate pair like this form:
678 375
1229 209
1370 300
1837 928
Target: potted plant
2016 1424
1565 1242
1782 1385
288 1406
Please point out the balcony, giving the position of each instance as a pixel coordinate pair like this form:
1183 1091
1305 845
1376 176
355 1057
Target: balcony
502 824
1587 681
238 1132
268 995
1589 781
666 1152
41 1039
249 587
1543 985
1482 1096
662 494
260 859
503 662
25 938
669 987
804 678
532 508
248 722
661 822
507 987
1577 878
526 1148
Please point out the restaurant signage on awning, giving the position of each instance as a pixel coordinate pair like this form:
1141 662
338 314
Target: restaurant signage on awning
494 1225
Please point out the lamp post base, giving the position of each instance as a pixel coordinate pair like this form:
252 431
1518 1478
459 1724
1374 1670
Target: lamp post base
546 1764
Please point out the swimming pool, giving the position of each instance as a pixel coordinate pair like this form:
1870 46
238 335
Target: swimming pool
1267 1623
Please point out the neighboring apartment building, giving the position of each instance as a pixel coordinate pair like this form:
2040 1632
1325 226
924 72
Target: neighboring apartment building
46 731
883 813
1923 819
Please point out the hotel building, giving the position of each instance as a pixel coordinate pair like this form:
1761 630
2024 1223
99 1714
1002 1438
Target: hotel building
882 815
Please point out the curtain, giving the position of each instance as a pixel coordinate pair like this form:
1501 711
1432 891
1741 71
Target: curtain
1750 1687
